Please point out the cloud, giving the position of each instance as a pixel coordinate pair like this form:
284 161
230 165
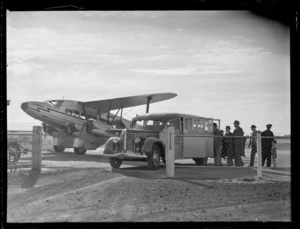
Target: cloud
44 43
158 57
187 70
163 47
25 68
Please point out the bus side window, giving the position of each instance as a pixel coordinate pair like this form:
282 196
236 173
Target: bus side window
208 125
175 123
188 124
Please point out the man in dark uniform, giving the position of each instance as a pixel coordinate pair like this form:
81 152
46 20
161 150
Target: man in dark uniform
228 147
238 144
266 145
217 142
253 145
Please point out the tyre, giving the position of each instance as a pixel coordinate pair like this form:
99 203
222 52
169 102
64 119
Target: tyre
205 161
154 157
201 161
79 151
198 161
115 163
59 149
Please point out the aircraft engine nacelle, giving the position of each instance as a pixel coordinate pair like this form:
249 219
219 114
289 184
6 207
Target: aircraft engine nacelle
78 143
60 142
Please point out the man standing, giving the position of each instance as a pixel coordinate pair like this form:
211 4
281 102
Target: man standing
253 144
266 145
238 143
217 141
228 149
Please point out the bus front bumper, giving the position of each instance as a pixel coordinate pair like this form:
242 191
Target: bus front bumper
124 156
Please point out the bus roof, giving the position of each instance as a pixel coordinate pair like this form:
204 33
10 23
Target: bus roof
165 116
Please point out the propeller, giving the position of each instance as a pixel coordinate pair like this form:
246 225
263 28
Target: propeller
86 119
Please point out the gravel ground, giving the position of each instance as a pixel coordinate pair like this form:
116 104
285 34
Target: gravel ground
71 188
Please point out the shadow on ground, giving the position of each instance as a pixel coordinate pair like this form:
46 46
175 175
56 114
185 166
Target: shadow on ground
188 172
31 179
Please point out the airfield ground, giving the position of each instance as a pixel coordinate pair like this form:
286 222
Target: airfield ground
74 188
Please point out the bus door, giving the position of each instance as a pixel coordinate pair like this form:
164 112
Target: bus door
178 139
218 121
209 140
194 143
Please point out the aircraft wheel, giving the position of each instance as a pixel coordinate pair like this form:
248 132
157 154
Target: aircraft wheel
115 163
154 157
79 151
58 149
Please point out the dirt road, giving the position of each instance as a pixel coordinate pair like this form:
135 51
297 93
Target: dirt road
73 188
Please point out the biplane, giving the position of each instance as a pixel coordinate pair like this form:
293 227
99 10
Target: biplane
86 125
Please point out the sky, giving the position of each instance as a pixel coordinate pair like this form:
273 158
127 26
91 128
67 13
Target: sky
228 65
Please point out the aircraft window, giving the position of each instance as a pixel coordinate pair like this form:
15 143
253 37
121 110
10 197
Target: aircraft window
76 113
68 111
55 103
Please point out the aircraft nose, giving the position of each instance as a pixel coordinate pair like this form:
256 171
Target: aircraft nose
24 106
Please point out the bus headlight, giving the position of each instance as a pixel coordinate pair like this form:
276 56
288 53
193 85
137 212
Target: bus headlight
137 140
116 140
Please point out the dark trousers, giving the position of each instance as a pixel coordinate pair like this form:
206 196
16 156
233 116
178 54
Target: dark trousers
238 160
253 152
266 155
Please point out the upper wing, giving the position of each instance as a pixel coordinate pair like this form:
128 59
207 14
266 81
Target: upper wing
124 102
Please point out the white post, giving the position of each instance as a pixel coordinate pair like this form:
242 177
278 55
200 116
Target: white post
170 170
259 160
36 158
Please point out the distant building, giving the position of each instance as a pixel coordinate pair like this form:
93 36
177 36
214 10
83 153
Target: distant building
8 102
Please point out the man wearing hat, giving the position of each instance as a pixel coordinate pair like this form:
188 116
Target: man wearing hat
228 147
217 142
266 145
238 144
253 144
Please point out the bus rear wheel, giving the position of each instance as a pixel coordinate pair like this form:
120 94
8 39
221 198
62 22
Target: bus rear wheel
201 161
59 149
115 163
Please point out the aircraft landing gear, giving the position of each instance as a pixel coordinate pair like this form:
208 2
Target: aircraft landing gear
58 149
79 151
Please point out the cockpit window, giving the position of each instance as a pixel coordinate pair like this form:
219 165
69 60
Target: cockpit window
55 103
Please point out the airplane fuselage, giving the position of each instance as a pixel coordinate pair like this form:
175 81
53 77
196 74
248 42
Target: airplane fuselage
67 118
